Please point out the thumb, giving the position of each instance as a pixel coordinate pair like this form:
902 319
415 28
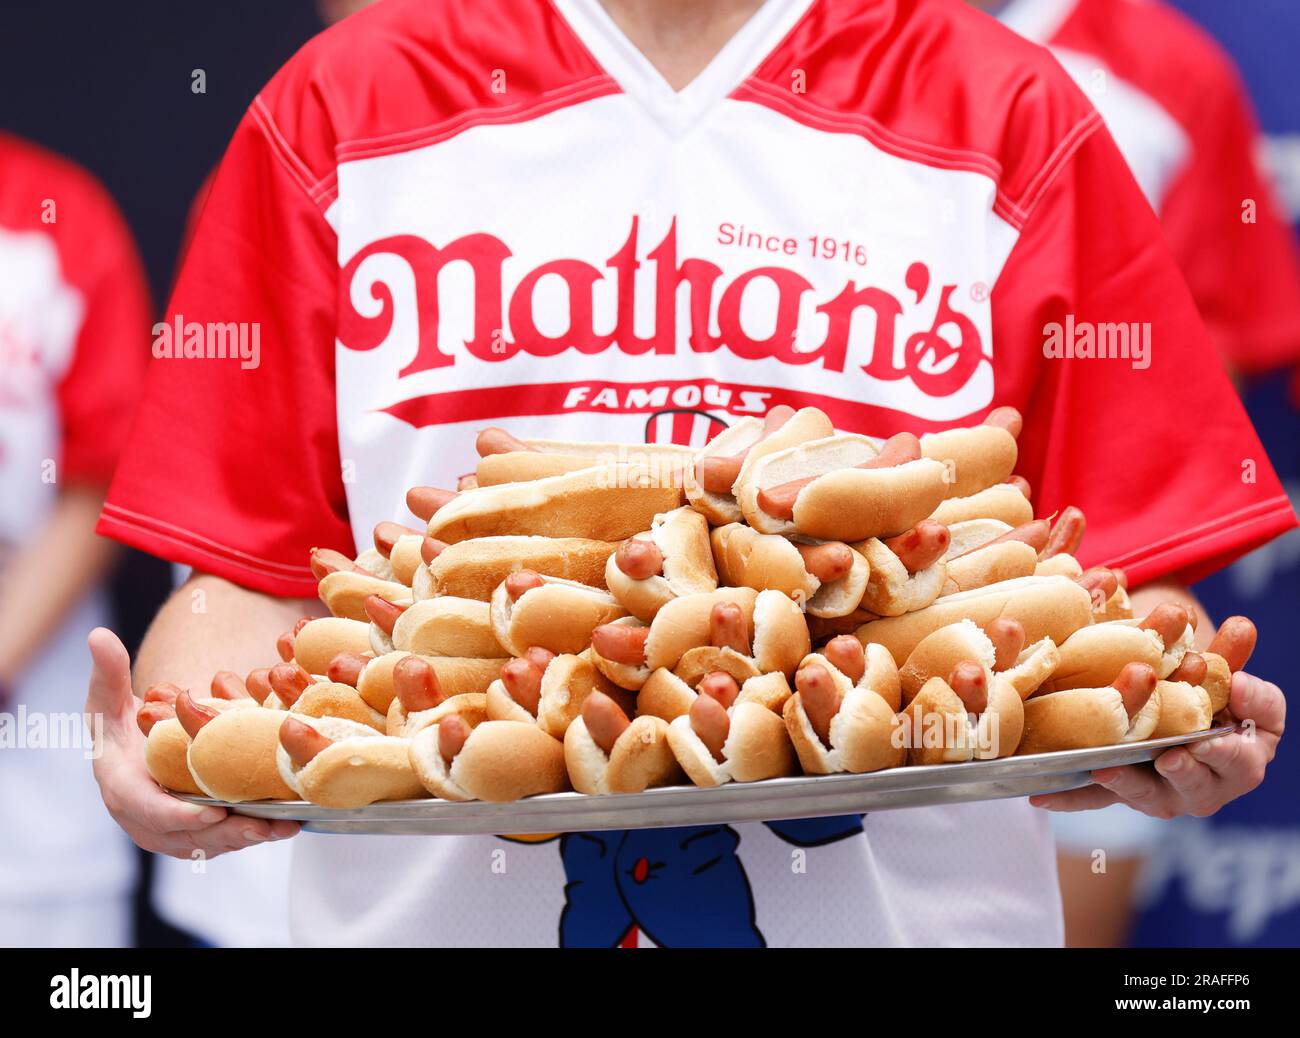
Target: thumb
110 692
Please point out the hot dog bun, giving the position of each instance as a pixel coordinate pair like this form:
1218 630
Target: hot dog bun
566 683
973 562
682 538
1003 502
939 729
557 457
977 457
757 747
358 768
322 639
863 733
605 503
455 675
891 590
472 706
747 558
233 756
1183 709
460 627
938 652
641 758
1084 718
345 594
474 568
1092 657
558 616
1048 607
332 699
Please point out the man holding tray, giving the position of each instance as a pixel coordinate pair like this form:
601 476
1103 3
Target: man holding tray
586 220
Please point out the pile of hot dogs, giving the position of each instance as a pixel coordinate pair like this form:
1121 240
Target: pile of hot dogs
609 618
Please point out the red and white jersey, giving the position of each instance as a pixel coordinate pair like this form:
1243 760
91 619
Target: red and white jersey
443 216
74 322
1183 121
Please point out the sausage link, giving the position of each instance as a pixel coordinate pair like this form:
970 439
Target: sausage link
192 716
1135 684
721 686
1007 418
1067 533
226 685
163 692
416 684
826 562
522 580
820 697
1008 637
727 628
710 721
387 534
453 733
258 683
620 643
325 561
1022 484
1168 621
151 713
1100 583
640 559
717 473
845 654
778 501
604 719
971 684
522 679
541 658
301 741
923 545
1192 669
425 501
1034 534
495 440
1235 641
383 613
431 548
469 481
288 681
284 646
346 667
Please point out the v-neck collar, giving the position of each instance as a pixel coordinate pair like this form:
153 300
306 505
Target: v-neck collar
677 110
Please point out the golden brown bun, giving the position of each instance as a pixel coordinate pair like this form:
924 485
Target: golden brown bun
665 695
558 616
722 508
455 675
370 561
976 458
770 691
891 590
1003 502
501 761
607 503
1047 607
322 639
359 767
823 629
1093 656
703 660
556 457
1184 709
233 756
332 699
682 536
448 627
780 638
641 758
683 624
1075 719
472 706
1218 680
566 683
624 675
165 755
990 565
1064 565
939 729
747 558
345 594
757 747
474 569
938 652
404 559
805 425
845 503
862 733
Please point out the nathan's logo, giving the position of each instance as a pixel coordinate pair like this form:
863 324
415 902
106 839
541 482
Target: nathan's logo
938 364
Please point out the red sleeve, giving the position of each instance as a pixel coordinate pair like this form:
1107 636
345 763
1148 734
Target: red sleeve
1161 458
1241 265
233 468
98 391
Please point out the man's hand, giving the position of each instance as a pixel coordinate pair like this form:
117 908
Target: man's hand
153 819
1197 779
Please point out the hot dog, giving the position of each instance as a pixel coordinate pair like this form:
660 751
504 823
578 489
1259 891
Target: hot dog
670 560
977 457
829 577
547 690
421 700
342 764
345 594
1005 502
972 714
443 626
1000 647
474 568
315 642
734 452
983 552
505 458
1228 652
1201 685
727 677
1126 710
605 503
843 488
605 752
528 609
907 571
377 683
838 722
167 742
1047 607
231 751
402 547
717 743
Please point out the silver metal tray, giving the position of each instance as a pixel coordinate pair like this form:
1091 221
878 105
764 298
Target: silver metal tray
808 796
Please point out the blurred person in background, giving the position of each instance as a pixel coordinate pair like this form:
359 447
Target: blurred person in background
240 900
74 320
1180 115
